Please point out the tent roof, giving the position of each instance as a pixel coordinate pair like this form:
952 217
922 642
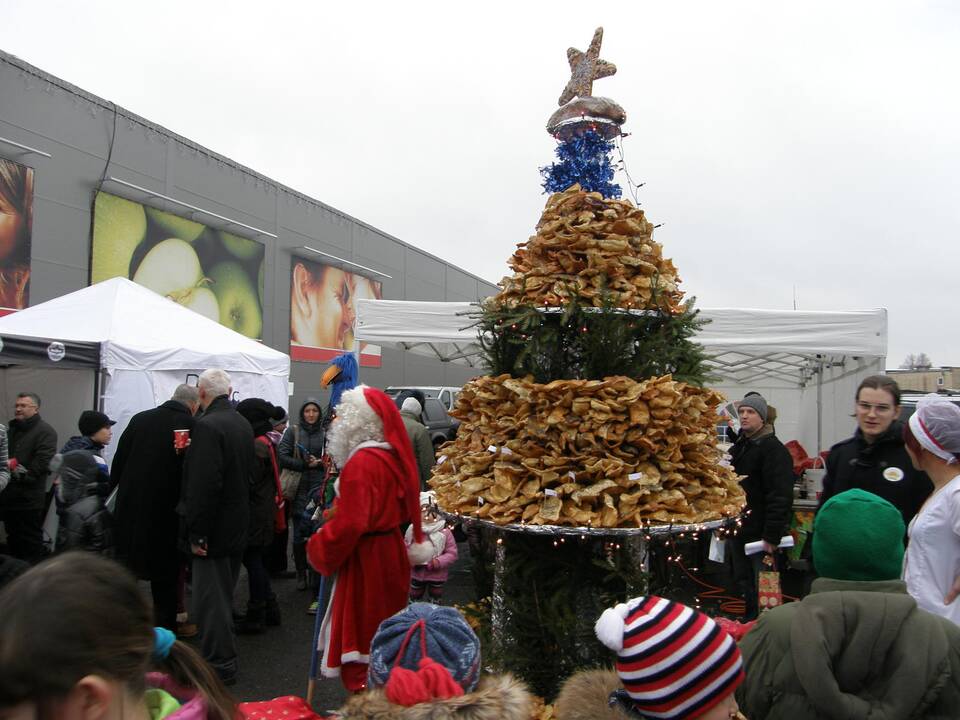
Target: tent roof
139 329
745 344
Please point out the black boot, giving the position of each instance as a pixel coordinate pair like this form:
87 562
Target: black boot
271 614
252 622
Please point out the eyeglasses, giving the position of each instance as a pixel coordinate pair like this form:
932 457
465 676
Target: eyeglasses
880 408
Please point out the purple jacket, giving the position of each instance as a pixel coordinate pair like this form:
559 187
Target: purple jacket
438 569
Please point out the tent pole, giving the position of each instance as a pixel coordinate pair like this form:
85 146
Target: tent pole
96 390
819 404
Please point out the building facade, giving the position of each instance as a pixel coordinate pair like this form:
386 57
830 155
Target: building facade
104 192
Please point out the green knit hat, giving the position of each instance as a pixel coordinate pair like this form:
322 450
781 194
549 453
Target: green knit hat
858 536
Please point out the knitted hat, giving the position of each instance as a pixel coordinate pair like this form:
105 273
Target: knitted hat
673 661
424 632
260 414
755 400
91 422
858 536
410 405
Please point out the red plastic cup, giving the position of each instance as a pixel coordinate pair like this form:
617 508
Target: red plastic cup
181 438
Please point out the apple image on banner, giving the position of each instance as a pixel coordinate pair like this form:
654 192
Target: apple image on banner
174 225
172 269
239 306
240 248
260 282
119 226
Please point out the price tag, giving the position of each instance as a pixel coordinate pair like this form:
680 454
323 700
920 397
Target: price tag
441 460
550 492
572 475
635 476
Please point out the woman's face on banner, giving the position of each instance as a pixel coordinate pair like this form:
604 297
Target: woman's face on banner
11 226
323 312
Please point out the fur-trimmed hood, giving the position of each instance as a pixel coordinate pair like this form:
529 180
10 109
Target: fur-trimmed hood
586 695
497 697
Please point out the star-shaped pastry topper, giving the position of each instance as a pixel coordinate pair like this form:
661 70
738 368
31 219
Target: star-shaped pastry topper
585 68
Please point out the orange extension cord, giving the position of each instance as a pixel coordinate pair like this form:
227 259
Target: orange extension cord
729 604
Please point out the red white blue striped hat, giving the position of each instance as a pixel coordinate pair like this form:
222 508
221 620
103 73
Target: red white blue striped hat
674 662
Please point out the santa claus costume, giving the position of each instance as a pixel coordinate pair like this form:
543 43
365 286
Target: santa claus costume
360 547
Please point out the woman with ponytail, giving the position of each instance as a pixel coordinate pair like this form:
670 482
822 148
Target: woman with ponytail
77 642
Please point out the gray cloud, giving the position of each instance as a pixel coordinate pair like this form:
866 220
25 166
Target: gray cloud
814 146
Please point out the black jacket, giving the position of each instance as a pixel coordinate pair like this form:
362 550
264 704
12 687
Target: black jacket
263 495
853 463
217 473
149 473
85 523
768 485
33 443
312 438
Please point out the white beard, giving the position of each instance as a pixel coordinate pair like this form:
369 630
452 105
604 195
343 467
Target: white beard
355 423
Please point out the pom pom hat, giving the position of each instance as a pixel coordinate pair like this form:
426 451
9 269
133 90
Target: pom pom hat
673 661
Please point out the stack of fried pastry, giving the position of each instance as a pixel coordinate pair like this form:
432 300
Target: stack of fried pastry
587 453
586 247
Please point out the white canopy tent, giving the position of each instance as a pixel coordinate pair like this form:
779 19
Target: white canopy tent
806 363
148 346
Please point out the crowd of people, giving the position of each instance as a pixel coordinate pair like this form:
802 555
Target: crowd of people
199 493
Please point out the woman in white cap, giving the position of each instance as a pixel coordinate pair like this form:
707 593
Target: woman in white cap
931 567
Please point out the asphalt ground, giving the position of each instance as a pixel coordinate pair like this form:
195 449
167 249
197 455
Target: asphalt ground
277 662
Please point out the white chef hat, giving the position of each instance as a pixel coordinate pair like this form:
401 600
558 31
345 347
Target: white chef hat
936 426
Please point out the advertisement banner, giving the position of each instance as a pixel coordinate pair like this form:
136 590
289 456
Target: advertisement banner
322 313
16 226
215 273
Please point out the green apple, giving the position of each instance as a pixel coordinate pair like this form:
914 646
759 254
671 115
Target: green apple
119 226
170 268
240 248
174 225
260 282
239 308
201 300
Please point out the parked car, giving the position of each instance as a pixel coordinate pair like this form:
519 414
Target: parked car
439 424
446 395
908 401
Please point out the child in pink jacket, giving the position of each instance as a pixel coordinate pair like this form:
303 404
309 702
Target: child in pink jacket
429 578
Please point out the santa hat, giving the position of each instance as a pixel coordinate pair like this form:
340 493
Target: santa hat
395 433
674 662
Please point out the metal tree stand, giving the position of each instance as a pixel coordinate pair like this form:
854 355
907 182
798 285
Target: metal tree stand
550 584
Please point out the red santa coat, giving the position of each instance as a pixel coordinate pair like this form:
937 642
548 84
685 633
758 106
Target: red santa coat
362 545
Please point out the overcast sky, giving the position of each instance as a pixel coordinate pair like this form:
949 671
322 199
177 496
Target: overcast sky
809 152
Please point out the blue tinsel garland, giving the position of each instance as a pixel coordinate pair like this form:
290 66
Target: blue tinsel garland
584 159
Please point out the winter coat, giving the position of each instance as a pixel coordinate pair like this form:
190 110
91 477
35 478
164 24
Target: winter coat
33 443
217 472
4 468
82 442
437 569
889 658
882 467
497 697
85 523
422 446
311 437
362 545
263 494
149 471
768 485
586 696
166 700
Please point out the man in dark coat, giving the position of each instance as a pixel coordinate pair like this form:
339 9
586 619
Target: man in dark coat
32 444
149 470
217 474
768 485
